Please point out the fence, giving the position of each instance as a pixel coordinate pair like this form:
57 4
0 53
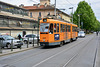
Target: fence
17 45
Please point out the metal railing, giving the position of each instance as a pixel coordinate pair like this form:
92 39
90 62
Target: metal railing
11 48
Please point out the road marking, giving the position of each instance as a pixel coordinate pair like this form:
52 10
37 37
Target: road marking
70 60
76 54
50 57
59 53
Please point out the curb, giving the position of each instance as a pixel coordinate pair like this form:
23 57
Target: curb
15 52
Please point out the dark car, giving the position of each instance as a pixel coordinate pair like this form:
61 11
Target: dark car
7 40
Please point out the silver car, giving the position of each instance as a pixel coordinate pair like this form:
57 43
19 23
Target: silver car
7 40
81 34
30 37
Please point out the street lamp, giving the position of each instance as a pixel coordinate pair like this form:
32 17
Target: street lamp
79 20
55 8
72 13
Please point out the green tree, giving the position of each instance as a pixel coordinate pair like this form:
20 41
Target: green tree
87 17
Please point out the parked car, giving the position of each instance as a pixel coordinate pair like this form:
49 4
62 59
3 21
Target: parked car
81 34
7 40
31 36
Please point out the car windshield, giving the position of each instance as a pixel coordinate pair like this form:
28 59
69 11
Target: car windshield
81 32
30 36
44 27
8 37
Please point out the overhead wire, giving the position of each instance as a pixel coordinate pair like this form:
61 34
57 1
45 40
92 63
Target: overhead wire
33 1
70 3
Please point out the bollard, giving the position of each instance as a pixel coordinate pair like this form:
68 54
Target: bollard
12 45
0 46
33 41
20 47
37 41
27 42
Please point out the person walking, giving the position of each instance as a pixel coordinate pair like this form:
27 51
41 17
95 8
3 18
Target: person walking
97 33
19 37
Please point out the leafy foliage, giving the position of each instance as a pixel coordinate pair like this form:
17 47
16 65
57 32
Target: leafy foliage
87 16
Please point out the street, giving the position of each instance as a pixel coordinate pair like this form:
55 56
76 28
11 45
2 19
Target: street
85 52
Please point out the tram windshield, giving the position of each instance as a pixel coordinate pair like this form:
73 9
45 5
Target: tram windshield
44 27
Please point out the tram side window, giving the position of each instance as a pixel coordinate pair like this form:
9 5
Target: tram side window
66 28
69 29
76 29
57 27
51 29
60 27
73 29
63 28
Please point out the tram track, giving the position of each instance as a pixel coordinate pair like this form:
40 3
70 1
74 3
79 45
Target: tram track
75 55
26 57
60 53
96 51
82 48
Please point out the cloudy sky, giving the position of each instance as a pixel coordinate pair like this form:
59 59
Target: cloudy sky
61 4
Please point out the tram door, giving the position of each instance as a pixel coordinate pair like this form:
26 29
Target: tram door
51 35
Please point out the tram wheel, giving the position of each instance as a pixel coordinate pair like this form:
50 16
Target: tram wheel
61 43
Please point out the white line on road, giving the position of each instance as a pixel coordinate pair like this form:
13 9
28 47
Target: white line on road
53 55
57 54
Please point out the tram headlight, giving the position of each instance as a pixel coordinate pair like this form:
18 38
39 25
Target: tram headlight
44 20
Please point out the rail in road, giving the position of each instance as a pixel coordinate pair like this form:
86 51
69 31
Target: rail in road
80 53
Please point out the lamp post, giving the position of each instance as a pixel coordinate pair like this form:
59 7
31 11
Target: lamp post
72 13
79 20
39 18
55 8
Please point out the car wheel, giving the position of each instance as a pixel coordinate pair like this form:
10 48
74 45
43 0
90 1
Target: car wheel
25 41
8 45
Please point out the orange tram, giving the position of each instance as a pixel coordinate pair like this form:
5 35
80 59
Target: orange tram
56 32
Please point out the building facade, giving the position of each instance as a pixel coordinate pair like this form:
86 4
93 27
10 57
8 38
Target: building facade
43 9
15 20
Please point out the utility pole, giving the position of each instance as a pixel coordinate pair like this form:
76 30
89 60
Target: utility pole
55 8
79 20
72 13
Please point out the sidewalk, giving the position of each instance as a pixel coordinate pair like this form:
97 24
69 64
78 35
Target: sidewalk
16 50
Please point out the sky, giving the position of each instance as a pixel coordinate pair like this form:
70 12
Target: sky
61 4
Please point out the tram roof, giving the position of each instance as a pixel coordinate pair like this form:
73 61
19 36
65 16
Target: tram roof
60 20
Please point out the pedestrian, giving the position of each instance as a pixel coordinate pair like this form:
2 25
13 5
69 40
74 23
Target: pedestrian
97 33
19 37
46 29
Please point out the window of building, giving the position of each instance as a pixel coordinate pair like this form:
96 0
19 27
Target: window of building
31 14
39 14
1 21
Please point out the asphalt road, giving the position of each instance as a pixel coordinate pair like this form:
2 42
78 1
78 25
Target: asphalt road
85 52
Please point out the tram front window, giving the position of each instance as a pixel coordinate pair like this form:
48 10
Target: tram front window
44 27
